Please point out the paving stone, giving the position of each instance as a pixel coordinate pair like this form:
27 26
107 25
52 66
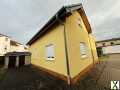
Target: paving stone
30 78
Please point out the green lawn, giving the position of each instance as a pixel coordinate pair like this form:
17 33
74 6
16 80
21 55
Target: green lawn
103 57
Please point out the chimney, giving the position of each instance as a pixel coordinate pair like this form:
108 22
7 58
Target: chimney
69 2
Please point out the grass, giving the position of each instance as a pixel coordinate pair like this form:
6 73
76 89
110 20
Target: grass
2 73
103 57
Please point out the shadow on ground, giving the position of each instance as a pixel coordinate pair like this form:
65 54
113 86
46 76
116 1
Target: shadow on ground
30 78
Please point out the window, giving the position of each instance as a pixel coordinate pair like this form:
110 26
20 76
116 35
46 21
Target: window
5 48
83 50
112 43
6 39
50 52
103 44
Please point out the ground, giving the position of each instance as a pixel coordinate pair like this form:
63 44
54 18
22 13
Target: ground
111 71
30 78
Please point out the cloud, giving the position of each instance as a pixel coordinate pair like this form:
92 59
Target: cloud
21 19
108 29
104 18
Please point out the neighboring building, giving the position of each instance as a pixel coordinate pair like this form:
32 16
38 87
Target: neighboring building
4 44
17 59
11 53
109 46
9 45
17 47
64 47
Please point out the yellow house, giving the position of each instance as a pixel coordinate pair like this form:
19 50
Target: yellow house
65 47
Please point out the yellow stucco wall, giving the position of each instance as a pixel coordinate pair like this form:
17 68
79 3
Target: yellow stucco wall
75 35
93 46
55 37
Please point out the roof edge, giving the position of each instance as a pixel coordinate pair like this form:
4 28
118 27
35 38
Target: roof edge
53 20
3 35
108 40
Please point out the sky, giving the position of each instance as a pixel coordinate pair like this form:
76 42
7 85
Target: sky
22 19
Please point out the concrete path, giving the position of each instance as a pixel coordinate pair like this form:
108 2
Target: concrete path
111 71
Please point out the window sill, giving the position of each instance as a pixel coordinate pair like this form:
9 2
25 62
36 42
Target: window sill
50 59
84 56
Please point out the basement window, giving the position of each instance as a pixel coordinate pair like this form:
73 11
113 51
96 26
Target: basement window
83 50
50 52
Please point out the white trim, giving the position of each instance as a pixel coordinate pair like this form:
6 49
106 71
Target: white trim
83 50
50 59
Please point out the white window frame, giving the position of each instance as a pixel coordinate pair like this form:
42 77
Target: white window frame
49 49
83 50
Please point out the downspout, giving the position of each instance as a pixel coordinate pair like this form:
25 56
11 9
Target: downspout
66 50
91 49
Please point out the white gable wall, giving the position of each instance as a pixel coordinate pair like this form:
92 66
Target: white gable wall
4 45
111 49
69 2
19 48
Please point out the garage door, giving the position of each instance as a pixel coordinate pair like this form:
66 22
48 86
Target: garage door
12 62
21 60
2 59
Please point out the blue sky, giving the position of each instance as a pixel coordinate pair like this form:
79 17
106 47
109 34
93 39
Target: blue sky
21 19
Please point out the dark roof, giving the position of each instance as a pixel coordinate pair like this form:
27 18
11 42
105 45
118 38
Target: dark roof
14 43
18 53
112 39
64 11
3 35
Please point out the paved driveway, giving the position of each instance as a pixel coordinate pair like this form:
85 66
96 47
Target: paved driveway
111 71
29 78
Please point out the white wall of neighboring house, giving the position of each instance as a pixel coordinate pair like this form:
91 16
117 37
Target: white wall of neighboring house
111 49
5 46
19 48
